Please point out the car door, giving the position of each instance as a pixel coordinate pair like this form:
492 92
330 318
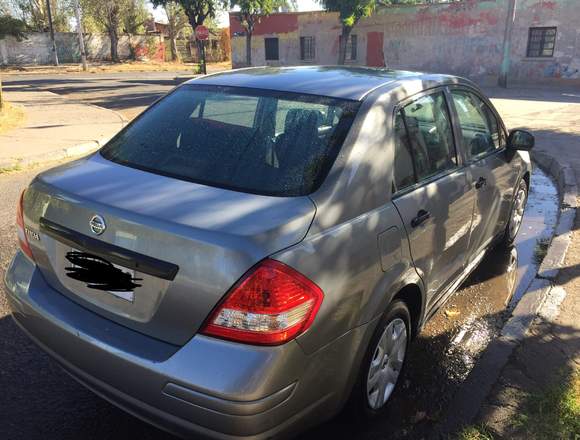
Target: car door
432 191
483 138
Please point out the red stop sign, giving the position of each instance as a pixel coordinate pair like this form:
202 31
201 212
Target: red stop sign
201 33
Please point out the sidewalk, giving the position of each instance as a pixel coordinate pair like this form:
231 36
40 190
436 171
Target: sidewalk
55 128
550 352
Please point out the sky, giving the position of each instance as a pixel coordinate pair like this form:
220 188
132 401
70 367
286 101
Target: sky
222 18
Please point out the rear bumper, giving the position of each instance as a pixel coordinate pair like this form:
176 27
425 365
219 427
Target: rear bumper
208 387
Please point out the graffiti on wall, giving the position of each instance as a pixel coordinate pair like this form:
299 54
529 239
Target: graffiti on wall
559 70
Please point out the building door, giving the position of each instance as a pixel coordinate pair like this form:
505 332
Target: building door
375 57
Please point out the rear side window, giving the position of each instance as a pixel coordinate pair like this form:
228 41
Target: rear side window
430 136
255 141
480 131
404 171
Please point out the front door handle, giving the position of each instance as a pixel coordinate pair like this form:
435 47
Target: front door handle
481 182
422 216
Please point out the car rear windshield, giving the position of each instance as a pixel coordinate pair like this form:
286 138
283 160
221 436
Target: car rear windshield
256 141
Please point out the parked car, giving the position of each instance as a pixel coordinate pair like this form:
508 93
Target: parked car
260 246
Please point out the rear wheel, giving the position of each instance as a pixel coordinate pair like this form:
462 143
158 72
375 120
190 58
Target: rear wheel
516 214
383 362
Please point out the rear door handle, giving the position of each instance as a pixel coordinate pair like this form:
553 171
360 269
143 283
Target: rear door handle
481 182
422 216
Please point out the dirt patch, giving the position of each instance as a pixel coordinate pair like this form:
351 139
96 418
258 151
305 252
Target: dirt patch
11 116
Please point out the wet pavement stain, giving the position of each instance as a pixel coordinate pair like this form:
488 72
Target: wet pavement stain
445 351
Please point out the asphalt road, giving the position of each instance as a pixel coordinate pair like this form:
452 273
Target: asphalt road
128 93
39 401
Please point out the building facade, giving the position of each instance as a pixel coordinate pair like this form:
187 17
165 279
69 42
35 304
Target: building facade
464 38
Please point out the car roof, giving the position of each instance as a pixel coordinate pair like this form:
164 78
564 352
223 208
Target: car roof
352 83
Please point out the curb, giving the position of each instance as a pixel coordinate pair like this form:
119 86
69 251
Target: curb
54 156
541 298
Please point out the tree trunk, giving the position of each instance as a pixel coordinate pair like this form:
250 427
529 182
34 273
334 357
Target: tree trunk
248 49
114 45
343 43
199 49
173 49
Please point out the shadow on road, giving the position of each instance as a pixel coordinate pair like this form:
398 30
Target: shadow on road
40 401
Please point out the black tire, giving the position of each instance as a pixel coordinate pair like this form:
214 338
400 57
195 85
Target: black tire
358 404
510 233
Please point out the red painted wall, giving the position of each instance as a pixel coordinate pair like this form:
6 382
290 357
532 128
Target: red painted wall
375 57
273 24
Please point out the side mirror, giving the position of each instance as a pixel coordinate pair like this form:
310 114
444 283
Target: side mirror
521 140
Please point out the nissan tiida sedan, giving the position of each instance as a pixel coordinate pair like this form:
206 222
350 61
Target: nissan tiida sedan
257 249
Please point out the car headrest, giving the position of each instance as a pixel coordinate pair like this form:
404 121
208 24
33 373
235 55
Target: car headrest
306 120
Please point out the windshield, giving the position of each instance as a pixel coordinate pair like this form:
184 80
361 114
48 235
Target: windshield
257 141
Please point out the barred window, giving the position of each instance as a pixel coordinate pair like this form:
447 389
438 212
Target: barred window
307 48
271 47
351 45
351 48
541 42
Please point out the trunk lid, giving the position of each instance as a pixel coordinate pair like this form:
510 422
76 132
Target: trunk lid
169 251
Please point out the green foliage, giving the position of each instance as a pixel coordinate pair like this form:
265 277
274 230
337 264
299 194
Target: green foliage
475 433
10 26
197 11
35 14
553 413
151 43
104 15
351 11
251 11
134 16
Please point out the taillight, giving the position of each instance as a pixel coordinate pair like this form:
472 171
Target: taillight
22 240
270 305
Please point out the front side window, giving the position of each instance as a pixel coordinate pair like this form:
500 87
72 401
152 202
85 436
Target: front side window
430 136
480 130
271 49
541 42
257 141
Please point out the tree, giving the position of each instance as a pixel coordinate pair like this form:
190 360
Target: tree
35 14
251 11
134 17
107 15
177 22
10 26
197 11
351 11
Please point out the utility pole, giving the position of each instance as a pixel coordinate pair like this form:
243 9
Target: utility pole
54 54
80 32
507 43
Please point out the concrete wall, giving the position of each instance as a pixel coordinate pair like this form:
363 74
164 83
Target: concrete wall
37 48
463 38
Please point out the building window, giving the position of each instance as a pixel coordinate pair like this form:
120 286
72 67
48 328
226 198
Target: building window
541 42
350 47
271 45
307 48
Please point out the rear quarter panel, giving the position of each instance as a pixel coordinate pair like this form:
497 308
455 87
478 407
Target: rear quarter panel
356 249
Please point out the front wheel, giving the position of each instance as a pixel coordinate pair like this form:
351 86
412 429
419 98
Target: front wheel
383 362
516 214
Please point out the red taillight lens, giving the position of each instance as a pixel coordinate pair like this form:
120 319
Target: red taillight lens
272 304
22 240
